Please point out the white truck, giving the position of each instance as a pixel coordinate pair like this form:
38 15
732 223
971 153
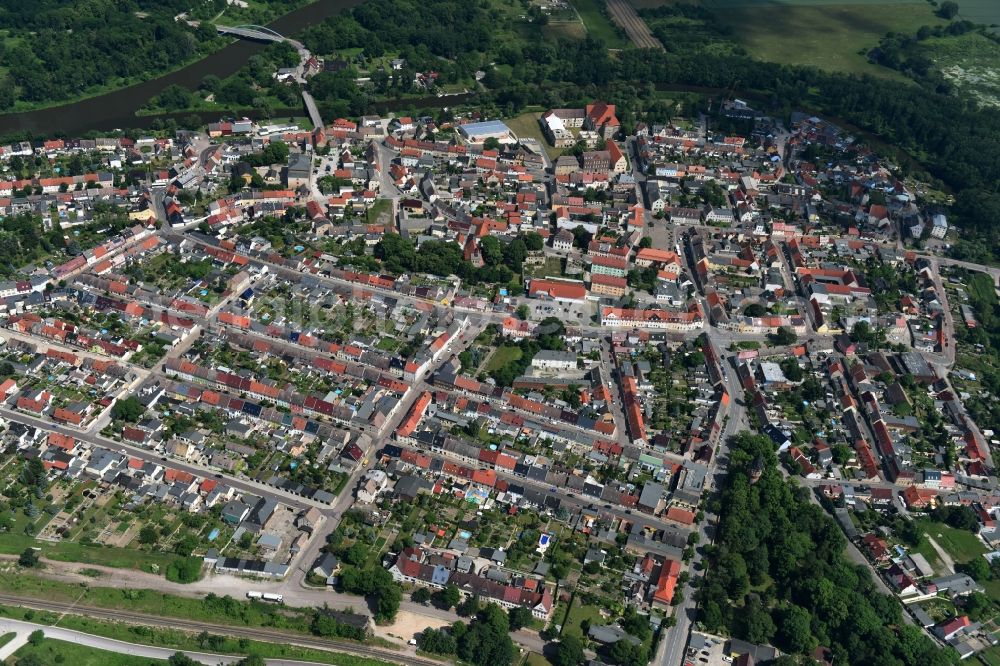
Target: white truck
276 598
255 595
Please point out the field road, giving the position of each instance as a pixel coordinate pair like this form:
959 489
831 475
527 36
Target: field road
254 633
24 629
624 15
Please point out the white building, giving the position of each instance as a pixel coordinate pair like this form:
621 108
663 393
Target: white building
940 226
554 360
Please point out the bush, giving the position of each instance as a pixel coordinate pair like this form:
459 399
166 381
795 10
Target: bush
29 558
184 570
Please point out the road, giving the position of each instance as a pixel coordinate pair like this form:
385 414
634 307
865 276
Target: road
671 649
246 485
25 629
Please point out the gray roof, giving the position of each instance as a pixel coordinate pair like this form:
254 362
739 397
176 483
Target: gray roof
651 494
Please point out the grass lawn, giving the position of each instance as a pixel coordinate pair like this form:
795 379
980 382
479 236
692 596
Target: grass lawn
51 651
826 36
7 638
381 206
245 614
564 30
927 550
990 656
598 24
535 659
501 357
526 125
70 551
960 544
981 286
578 613
551 268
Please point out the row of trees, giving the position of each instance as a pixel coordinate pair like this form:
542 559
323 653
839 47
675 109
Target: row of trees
806 593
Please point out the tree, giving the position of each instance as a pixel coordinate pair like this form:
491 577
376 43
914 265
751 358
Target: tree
783 337
977 605
795 633
469 607
449 597
862 332
36 637
569 651
645 242
581 237
518 617
437 641
30 659
489 248
148 535
758 625
948 10
978 568
252 660
492 143
181 659
128 409
791 368
522 312
184 570
754 310
29 558
357 554
486 642
959 517
421 595
533 241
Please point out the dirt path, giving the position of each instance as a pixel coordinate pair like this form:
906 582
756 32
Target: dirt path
942 554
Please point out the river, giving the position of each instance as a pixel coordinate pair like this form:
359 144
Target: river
117 110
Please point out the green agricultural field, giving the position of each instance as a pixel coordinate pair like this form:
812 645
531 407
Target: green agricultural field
598 24
831 35
980 11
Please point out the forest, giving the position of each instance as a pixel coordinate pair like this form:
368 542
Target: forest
778 574
57 51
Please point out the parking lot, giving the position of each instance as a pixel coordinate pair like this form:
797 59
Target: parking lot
570 313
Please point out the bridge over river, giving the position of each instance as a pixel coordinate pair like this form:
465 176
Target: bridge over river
262 34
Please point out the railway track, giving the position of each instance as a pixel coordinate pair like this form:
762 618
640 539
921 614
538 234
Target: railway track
252 633
624 15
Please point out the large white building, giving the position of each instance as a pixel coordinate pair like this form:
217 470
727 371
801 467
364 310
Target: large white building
489 129
554 360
